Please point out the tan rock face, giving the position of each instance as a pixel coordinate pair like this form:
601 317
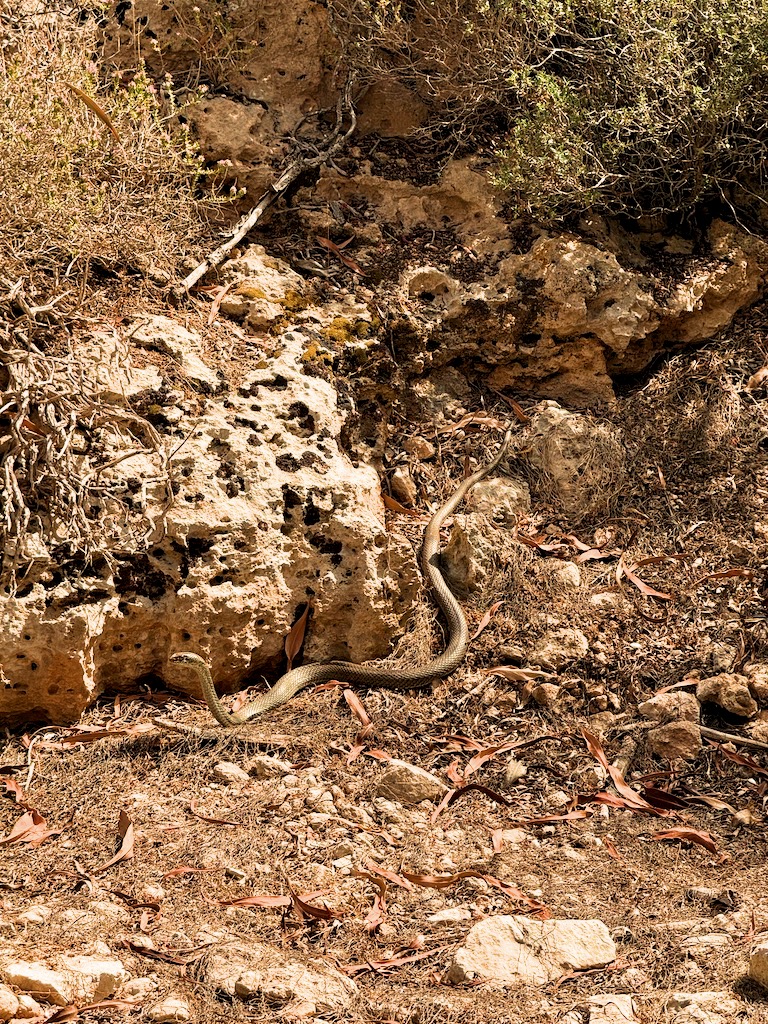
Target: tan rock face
673 740
267 514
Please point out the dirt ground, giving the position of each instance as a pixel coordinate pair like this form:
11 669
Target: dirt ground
310 823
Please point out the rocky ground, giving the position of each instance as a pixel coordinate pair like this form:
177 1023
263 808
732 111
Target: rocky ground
572 828
556 832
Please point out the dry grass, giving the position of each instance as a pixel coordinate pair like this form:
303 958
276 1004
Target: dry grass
99 197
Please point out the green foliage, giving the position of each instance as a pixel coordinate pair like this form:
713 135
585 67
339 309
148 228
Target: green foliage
626 106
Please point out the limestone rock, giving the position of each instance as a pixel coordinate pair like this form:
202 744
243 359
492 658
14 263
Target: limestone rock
500 498
707 300
172 1008
408 784
9 1003
265 766
37 980
230 774
28 1007
583 461
260 971
268 511
262 288
728 691
512 949
546 695
92 978
758 964
704 1007
673 705
681 739
403 486
758 683
611 1009
559 647
167 335
283 56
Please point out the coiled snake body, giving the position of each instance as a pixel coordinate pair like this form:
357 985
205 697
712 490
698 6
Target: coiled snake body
374 673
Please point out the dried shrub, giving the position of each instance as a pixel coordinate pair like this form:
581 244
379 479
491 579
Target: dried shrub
71 194
97 180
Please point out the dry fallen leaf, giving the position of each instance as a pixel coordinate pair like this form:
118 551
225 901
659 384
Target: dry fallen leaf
125 838
688 835
295 638
624 570
30 828
93 106
486 619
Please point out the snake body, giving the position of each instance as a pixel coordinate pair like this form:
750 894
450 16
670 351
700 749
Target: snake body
372 674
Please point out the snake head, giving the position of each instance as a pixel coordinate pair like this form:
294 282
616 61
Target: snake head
186 658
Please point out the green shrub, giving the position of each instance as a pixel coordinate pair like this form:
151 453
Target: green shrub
625 106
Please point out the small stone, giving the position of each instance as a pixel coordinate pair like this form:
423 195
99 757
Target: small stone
138 988
92 978
566 575
403 486
758 682
636 979
500 498
611 1009
515 836
38 980
672 706
342 849
730 692
451 915
264 766
420 448
169 1009
559 648
546 694
605 601
675 740
35 915
153 893
758 964
9 1004
231 774
408 784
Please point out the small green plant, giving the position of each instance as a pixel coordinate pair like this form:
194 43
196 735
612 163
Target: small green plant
630 107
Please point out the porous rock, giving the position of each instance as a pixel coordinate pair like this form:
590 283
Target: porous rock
167 335
408 784
730 692
611 1009
559 647
758 964
269 512
172 1008
512 949
230 774
92 978
9 1003
38 980
672 740
583 461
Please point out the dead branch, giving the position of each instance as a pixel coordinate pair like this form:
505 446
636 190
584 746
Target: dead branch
344 110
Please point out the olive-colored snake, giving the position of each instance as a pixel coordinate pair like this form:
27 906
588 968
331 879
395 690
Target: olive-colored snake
374 673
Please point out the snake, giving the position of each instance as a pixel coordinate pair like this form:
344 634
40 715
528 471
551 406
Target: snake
372 674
